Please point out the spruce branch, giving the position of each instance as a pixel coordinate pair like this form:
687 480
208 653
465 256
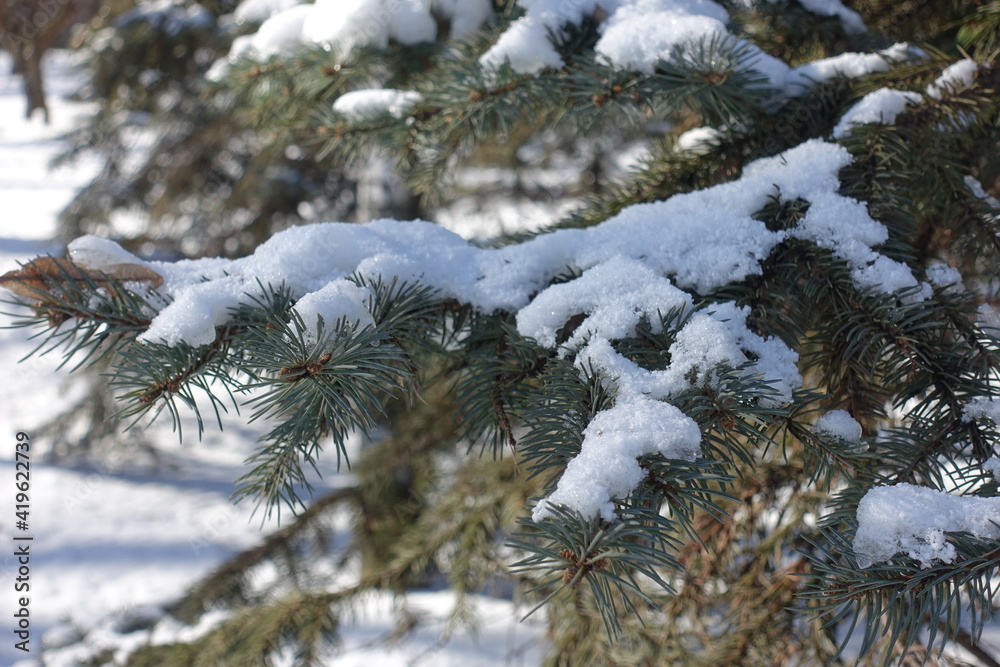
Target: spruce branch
733 531
735 412
898 597
493 383
306 622
154 376
105 312
227 585
567 549
561 405
979 30
313 389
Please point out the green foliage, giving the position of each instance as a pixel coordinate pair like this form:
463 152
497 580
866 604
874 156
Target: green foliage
742 556
330 389
980 32
898 598
301 620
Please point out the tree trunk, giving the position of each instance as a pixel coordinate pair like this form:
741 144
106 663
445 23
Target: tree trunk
28 29
34 86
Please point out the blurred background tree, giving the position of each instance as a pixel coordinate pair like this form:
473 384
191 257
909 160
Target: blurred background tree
29 28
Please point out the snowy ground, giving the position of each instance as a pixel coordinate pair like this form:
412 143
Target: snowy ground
118 537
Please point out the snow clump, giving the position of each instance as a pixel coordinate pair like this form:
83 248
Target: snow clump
840 425
846 65
942 275
956 75
982 407
636 34
289 26
881 106
699 140
525 44
361 104
607 468
258 11
976 188
912 520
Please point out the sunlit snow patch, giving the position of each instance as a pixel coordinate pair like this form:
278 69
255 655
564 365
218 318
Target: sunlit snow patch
912 520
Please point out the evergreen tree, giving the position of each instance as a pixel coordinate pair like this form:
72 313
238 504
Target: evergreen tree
739 405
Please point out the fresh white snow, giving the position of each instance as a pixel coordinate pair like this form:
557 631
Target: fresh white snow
361 104
278 35
258 11
881 106
884 105
955 76
942 275
349 23
912 520
668 237
607 465
637 33
982 407
976 188
109 534
849 65
340 300
640 33
698 141
142 535
289 25
634 34
839 424
525 44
